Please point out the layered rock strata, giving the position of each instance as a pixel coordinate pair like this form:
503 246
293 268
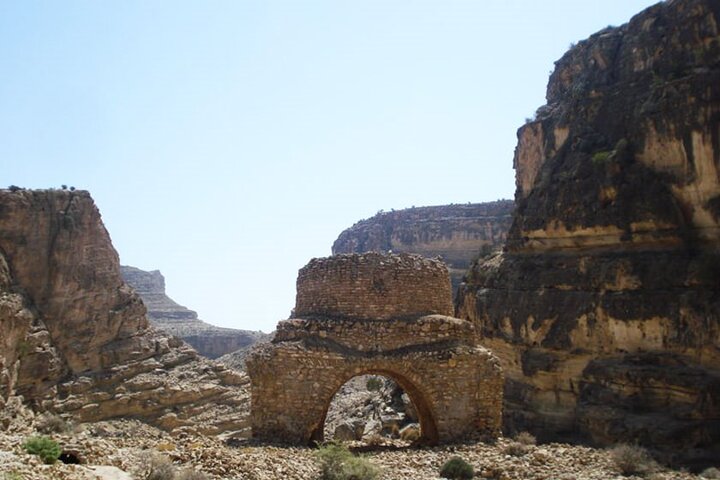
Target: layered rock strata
374 314
605 306
74 336
167 315
456 233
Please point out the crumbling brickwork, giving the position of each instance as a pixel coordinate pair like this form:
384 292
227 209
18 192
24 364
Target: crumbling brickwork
373 286
347 330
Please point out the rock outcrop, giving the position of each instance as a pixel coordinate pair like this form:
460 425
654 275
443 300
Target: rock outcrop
167 315
605 306
456 233
74 338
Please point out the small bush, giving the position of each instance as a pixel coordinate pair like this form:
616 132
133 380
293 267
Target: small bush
44 447
12 476
601 157
14 188
526 438
712 473
337 463
161 468
516 449
632 460
51 423
374 384
457 468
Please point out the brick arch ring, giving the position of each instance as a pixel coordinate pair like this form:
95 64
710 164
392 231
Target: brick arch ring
347 327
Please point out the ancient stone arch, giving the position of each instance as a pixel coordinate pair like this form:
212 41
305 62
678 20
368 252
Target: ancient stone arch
374 314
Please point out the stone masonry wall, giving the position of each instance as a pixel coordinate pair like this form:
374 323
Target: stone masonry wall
375 314
373 286
373 336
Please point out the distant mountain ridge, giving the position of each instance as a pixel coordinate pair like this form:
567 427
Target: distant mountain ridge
456 233
168 315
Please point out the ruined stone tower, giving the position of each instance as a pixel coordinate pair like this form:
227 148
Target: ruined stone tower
374 314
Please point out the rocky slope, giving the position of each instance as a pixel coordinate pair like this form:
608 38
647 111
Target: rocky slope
457 233
74 338
166 314
605 306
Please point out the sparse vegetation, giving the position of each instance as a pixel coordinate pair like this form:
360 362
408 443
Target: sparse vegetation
374 384
632 460
516 449
12 476
51 423
44 447
338 463
601 157
526 438
457 468
14 188
161 468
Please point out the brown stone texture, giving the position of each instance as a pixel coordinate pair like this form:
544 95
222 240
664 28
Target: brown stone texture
457 234
74 337
167 315
373 286
454 384
604 308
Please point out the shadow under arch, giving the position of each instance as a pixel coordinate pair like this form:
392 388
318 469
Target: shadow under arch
428 427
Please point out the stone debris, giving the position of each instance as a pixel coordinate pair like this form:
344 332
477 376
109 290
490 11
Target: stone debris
117 450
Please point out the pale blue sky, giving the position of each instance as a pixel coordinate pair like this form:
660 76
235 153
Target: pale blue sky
227 143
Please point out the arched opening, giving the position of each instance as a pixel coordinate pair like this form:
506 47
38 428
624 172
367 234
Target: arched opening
376 404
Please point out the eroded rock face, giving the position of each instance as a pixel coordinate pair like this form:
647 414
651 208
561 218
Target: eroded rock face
171 317
456 233
74 337
605 306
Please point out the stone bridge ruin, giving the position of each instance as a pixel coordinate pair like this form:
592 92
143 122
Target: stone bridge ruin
374 314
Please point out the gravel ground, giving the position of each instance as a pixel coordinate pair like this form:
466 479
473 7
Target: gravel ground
128 445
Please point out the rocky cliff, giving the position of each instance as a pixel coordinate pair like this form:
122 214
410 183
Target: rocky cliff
457 233
74 338
165 314
605 305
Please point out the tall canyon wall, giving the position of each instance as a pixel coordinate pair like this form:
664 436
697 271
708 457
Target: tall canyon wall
74 338
605 305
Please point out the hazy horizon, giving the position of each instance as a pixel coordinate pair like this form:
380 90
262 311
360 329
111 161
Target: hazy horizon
228 143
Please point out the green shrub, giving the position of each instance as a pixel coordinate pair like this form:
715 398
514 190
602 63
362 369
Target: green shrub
601 157
12 476
374 384
632 460
337 463
457 468
44 447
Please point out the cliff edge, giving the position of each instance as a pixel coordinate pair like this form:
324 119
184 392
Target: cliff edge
605 305
456 233
74 338
166 314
